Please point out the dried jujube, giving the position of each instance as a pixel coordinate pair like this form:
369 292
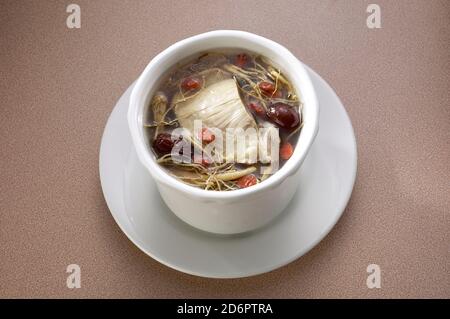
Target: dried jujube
163 144
283 115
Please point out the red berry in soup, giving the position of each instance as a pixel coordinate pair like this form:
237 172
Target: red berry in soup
267 88
257 108
286 151
206 161
247 181
242 60
284 115
190 84
163 144
206 136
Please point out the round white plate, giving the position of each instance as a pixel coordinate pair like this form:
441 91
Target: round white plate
327 179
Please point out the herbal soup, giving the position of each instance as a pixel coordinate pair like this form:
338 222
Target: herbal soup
224 120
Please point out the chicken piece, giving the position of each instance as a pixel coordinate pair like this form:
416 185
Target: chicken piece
219 105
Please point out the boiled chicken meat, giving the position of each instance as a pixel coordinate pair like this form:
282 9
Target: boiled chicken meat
218 105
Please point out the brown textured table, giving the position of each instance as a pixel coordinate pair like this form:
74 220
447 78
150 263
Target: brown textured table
59 85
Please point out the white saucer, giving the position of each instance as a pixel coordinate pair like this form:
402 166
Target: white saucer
327 179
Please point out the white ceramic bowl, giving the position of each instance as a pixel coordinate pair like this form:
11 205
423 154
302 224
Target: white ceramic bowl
234 211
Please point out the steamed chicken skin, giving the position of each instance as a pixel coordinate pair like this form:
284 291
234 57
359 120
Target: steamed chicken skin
219 105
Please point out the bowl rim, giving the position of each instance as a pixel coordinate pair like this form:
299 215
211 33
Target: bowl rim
145 155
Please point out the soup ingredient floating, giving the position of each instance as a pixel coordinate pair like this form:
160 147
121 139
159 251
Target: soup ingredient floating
224 90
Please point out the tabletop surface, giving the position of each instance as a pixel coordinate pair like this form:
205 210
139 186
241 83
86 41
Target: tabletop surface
59 85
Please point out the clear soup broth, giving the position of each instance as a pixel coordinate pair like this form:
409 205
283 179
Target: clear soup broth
224 120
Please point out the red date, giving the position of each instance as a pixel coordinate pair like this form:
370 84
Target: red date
284 115
163 144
